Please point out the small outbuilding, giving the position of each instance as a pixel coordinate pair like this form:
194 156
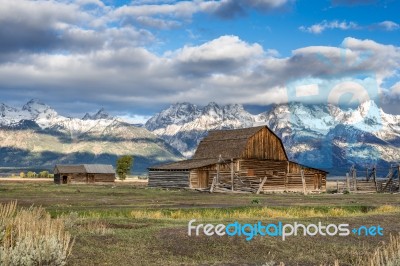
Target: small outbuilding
83 173
242 160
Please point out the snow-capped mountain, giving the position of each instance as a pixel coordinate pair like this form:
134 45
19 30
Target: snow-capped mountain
101 114
183 125
37 136
323 136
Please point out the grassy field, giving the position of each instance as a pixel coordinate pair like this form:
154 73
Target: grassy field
129 224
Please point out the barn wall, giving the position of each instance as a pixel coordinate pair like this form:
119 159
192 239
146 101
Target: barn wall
264 145
169 179
57 178
315 179
84 178
76 178
104 177
211 170
251 172
260 168
282 180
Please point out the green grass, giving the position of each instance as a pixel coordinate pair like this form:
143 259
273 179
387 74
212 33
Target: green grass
149 226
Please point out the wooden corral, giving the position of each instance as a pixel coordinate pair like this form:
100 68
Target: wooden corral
83 173
356 182
241 160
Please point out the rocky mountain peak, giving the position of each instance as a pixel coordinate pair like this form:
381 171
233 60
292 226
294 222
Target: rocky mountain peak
36 108
321 135
101 114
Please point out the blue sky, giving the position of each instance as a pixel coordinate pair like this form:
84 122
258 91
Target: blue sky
136 57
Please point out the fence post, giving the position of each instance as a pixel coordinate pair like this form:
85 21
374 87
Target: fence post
398 175
232 172
303 180
355 180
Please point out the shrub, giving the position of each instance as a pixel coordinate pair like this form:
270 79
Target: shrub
255 201
44 174
31 174
31 237
22 175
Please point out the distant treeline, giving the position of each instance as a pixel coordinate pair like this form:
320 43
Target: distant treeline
32 174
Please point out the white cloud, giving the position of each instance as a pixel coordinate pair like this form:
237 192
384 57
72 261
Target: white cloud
324 25
158 23
395 89
134 119
223 48
186 9
65 51
225 70
389 25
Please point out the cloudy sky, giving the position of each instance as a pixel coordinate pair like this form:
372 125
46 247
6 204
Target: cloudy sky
136 57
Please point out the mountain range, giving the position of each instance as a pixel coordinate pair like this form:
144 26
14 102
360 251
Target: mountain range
37 137
319 135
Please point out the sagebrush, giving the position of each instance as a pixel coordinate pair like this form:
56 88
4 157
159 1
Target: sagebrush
31 237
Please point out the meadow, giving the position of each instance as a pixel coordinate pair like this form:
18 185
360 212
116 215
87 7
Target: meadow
129 224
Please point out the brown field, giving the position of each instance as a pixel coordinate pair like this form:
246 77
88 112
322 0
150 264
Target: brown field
129 224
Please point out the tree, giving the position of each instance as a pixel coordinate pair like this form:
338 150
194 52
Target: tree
22 175
124 165
30 174
44 174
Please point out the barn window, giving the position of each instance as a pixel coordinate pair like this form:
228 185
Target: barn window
250 172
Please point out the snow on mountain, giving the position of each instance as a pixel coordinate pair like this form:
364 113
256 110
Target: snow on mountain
183 125
101 114
47 118
37 135
322 135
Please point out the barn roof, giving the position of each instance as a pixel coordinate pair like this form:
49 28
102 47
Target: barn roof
185 165
228 143
84 168
70 169
99 168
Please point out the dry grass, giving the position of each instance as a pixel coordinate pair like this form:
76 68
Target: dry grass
96 227
258 213
31 237
385 255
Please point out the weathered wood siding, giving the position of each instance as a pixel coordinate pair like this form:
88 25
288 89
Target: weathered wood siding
203 177
286 176
57 179
104 177
76 178
281 176
261 168
315 179
169 179
264 145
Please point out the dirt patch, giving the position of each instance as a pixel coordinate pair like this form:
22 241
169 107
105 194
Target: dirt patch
127 226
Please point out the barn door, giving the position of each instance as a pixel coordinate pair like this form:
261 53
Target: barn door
203 179
90 178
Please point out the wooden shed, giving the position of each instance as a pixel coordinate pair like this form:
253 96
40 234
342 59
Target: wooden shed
250 159
83 173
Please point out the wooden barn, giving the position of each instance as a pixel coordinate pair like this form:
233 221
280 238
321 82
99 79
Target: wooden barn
83 173
247 160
